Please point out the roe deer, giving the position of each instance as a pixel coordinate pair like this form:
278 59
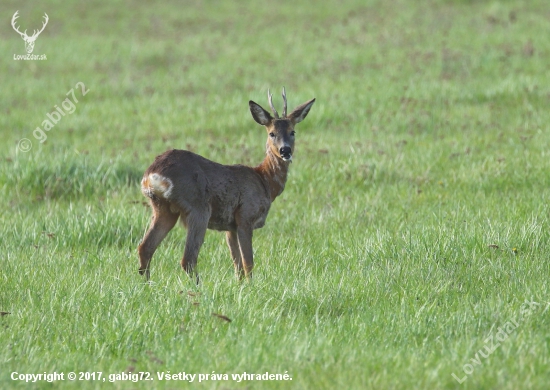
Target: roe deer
231 198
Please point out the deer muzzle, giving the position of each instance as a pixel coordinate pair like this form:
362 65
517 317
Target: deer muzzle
286 153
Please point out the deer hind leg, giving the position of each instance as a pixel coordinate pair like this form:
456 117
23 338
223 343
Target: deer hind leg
244 235
233 244
197 223
163 221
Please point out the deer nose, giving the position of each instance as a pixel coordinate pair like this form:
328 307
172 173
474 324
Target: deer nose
285 150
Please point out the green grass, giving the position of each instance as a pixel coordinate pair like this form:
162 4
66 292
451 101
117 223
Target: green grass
414 223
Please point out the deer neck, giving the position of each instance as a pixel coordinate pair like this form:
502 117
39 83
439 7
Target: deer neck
273 171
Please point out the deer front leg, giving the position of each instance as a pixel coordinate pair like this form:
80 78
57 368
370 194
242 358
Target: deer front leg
163 221
233 244
244 235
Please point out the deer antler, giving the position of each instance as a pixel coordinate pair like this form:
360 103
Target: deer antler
270 98
284 100
35 34
15 16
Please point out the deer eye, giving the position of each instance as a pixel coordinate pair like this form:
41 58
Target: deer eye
292 133
272 135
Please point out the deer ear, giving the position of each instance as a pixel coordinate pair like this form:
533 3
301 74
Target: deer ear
259 114
300 112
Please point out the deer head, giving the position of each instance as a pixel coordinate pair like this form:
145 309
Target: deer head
280 130
29 41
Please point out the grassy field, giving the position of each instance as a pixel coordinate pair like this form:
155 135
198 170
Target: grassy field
412 232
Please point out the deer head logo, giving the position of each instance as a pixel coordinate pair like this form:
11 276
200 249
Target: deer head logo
29 41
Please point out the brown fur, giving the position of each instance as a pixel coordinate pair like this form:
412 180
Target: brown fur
208 195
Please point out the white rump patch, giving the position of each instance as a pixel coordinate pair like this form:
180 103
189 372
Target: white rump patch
156 184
